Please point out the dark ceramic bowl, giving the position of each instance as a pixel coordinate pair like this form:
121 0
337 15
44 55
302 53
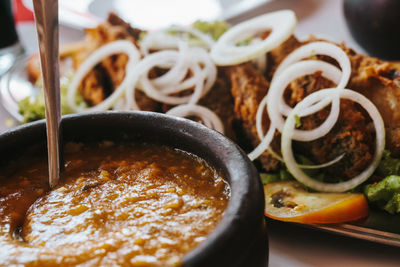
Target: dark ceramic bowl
240 239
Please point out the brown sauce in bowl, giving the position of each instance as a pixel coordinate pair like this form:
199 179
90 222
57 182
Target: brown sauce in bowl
128 205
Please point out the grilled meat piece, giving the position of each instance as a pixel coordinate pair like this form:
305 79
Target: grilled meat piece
249 87
220 101
109 73
95 89
352 134
276 55
380 82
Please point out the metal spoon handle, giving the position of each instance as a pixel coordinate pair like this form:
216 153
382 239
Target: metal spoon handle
46 16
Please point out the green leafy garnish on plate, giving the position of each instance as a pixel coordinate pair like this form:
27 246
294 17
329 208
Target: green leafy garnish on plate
32 108
385 194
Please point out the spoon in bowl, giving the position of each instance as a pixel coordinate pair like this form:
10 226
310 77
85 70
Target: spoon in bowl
46 17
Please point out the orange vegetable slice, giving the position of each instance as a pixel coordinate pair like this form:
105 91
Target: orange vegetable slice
289 201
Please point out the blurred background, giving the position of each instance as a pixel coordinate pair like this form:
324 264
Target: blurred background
317 17
289 245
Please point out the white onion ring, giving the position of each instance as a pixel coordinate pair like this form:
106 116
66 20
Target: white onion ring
209 72
226 52
142 68
265 142
156 94
96 57
288 132
209 118
202 57
178 70
330 72
323 165
278 87
313 49
319 48
196 60
261 61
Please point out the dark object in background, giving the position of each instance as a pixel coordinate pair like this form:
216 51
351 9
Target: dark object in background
7 27
375 25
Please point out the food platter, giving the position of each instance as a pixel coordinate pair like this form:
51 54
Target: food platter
378 227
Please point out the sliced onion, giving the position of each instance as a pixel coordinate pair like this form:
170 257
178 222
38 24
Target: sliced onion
203 58
226 52
260 133
323 165
288 133
178 71
187 60
289 70
319 48
142 68
278 87
274 154
209 72
95 58
265 142
156 94
313 49
261 61
140 72
209 118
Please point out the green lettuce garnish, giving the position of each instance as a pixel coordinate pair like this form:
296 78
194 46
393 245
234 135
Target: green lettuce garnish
385 194
213 28
388 165
298 120
32 108
282 175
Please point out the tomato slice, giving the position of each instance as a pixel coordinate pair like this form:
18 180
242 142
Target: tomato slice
289 201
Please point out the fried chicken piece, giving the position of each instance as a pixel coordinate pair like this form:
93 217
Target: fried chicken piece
276 56
111 30
220 101
352 134
108 75
248 87
379 81
33 68
96 86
